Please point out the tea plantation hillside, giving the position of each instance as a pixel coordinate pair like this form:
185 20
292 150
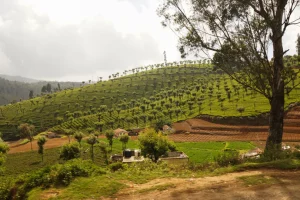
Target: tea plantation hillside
138 98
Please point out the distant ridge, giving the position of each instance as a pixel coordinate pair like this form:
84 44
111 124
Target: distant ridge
19 79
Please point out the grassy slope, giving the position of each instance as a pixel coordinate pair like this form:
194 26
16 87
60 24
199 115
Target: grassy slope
158 86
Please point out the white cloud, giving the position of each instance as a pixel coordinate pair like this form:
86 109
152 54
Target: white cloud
49 40
81 39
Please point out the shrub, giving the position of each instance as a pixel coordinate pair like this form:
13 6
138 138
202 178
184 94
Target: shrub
117 166
59 174
70 151
5 188
276 153
3 150
229 157
296 154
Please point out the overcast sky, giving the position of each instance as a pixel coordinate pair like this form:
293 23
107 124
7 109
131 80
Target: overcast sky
79 40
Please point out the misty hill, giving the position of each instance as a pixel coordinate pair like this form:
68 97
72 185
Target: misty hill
14 91
19 78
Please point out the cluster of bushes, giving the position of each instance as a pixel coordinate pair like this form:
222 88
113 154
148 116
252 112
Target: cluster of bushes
56 175
3 150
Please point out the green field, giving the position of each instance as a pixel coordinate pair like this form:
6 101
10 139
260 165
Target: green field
198 152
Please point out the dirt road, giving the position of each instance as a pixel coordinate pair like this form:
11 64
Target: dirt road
254 185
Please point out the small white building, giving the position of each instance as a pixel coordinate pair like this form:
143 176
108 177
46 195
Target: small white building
132 155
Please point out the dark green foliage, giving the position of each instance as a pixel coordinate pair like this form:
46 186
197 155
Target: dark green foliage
92 140
153 144
117 166
124 139
70 151
78 136
4 148
103 151
41 141
158 125
110 135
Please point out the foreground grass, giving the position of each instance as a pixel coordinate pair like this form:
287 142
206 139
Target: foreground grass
201 152
111 183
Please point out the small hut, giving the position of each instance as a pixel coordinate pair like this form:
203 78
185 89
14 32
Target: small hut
118 132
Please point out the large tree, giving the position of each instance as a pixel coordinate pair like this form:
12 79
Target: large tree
240 33
298 44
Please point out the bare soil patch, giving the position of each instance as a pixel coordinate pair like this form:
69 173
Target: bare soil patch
15 147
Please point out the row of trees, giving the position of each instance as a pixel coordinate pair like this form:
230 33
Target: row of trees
152 143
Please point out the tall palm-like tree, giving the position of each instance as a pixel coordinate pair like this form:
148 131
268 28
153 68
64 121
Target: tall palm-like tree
41 142
92 140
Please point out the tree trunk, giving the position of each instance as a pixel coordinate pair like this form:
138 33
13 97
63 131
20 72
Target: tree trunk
276 122
277 101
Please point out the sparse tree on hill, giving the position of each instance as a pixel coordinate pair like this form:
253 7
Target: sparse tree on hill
48 87
27 131
136 119
78 136
111 123
30 94
99 125
240 33
104 151
110 136
69 133
41 142
99 115
124 139
144 118
92 140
